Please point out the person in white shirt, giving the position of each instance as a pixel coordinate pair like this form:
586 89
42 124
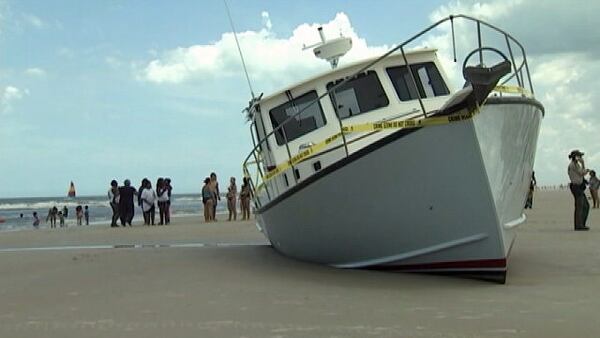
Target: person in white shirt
163 198
148 199
577 172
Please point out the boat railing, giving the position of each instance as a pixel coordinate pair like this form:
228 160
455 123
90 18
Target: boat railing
264 180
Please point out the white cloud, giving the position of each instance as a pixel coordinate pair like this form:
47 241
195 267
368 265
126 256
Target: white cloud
9 95
271 60
266 20
35 72
66 52
34 21
487 10
113 62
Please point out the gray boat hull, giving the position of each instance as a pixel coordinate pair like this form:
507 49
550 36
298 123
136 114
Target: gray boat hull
437 199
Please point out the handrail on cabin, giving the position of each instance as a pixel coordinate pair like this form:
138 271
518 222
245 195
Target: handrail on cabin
517 73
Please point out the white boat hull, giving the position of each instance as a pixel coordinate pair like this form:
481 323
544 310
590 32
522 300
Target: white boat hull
443 198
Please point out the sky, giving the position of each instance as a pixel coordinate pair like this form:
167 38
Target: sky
92 91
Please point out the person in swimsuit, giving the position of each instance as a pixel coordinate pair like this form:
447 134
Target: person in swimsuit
231 199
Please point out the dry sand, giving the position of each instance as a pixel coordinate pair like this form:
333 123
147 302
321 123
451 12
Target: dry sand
252 291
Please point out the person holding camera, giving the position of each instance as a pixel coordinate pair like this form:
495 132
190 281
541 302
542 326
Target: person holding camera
577 172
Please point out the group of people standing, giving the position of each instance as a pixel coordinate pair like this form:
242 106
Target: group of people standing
122 201
211 196
577 172
55 215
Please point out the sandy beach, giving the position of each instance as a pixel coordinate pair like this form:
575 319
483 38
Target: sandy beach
232 285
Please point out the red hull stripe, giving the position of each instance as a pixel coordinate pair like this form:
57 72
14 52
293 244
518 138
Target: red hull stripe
476 264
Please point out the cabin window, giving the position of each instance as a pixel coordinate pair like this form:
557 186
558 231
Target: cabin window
428 79
310 119
359 95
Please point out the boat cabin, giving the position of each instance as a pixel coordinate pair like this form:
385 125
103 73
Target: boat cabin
384 92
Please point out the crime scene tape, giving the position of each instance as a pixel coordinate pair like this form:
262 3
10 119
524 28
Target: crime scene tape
512 90
367 127
378 126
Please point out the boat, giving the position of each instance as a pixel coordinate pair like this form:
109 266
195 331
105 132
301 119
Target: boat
382 164
71 192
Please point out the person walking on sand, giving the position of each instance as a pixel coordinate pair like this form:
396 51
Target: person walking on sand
148 199
36 220
49 217
114 200
532 185
231 199
245 198
162 198
207 200
86 215
79 215
214 186
126 207
61 218
53 215
594 186
577 172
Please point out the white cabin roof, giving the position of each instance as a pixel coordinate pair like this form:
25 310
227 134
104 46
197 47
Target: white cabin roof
343 68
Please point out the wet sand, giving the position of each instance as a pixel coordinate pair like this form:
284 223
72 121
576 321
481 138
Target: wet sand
248 290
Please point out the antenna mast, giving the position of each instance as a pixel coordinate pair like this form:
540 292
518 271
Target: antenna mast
239 49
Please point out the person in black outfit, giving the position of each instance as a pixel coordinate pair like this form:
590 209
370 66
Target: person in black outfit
169 190
126 208
139 199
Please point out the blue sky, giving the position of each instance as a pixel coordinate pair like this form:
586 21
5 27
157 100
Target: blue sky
96 90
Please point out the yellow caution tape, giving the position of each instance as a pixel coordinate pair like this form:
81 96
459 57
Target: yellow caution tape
366 127
512 90
378 126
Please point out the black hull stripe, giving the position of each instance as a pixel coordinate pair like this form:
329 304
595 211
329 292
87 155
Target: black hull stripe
376 145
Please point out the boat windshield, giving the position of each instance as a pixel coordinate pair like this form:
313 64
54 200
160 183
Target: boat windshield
311 118
427 77
359 95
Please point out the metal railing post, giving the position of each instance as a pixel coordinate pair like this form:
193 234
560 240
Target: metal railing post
512 59
337 114
528 75
479 43
287 147
256 199
262 177
412 77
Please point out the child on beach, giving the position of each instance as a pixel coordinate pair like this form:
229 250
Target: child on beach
61 217
86 214
231 198
79 214
36 220
207 200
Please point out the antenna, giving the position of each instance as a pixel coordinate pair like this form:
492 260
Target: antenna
239 49
330 50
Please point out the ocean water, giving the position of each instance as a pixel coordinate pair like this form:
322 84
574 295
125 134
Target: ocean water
99 208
